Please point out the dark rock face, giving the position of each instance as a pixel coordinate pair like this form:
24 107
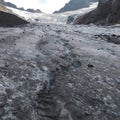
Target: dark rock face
107 13
75 4
7 19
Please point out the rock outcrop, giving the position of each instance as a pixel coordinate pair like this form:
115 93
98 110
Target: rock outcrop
33 11
75 4
9 20
107 13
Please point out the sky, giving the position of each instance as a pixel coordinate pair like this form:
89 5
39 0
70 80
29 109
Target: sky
46 6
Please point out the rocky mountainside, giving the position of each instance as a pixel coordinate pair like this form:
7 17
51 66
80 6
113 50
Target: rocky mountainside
107 13
8 19
75 4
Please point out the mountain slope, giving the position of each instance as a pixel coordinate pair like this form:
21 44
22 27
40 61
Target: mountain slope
4 9
8 19
8 4
107 13
76 4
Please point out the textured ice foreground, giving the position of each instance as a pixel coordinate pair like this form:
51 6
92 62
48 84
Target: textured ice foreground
51 71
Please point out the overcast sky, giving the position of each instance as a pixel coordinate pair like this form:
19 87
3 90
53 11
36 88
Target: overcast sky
47 6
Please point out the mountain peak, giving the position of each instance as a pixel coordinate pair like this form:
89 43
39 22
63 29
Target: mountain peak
75 4
9 4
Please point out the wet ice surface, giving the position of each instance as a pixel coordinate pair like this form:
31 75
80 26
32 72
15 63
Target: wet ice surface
59 72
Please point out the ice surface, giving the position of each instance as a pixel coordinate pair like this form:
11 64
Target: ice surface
43 55
60 18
